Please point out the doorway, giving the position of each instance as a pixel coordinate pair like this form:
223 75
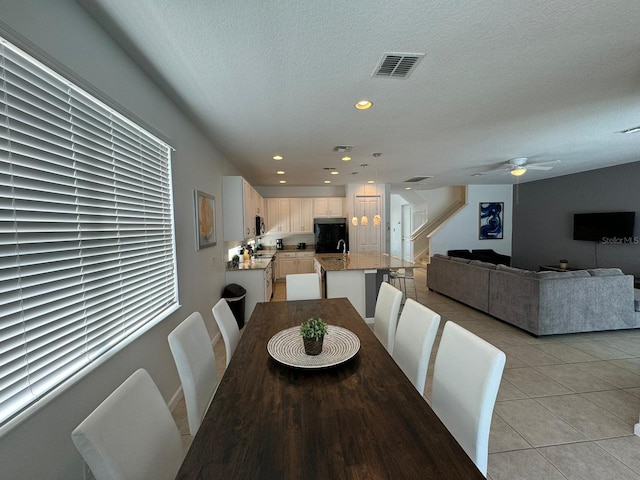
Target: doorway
368 237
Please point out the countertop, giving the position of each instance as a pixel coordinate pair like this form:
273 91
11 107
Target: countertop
253 264
359 261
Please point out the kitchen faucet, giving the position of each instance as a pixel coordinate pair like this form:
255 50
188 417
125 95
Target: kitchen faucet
344 246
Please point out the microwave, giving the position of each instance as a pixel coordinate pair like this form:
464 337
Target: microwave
261 228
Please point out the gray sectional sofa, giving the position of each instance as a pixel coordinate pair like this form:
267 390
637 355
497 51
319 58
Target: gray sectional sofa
542 303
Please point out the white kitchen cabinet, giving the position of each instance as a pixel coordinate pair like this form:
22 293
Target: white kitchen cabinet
328 207
278 215
240 205
305 262
286 264
258 284
301 215
294 262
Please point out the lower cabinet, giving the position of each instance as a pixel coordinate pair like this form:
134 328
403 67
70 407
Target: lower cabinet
294 262
257 283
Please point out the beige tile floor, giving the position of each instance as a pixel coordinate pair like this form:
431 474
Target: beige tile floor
567 403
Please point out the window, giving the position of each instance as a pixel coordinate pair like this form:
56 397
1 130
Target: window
87 253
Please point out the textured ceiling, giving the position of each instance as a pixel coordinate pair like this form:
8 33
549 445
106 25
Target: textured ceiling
548 80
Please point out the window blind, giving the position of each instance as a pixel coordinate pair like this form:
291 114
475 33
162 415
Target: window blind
87 253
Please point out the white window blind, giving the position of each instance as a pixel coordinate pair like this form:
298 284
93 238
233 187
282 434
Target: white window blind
87 250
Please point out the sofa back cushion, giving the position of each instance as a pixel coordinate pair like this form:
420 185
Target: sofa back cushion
481 264
605 272
568 274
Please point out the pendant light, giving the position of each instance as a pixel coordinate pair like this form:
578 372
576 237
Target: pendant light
364 221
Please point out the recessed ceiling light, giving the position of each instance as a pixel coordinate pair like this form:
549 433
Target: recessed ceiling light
280 172
327 181
363 105
371 181
277 157
407 188
283 181
334 172
631 130
346 159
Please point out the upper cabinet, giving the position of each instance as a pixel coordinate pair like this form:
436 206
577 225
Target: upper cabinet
328 207
241 203
301 218
295 215
278 218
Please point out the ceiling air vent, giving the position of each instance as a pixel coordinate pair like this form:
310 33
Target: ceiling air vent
417 179
397 65
342 148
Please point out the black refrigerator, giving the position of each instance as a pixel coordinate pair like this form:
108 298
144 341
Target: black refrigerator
328 232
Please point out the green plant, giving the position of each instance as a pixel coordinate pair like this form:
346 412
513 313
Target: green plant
314 328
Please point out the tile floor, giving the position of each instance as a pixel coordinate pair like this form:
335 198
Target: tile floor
567 403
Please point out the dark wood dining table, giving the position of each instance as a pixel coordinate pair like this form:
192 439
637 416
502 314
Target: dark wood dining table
362 419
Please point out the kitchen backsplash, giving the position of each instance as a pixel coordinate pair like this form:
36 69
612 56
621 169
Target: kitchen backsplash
288 239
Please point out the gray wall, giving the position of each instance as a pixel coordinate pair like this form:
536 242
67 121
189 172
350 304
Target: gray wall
40 445
543 218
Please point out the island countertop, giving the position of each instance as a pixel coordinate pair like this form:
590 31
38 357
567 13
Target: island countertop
332 262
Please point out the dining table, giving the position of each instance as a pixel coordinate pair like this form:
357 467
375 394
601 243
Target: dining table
360 418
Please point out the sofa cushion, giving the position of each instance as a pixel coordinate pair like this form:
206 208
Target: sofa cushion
636 299
459 260
567 274
444 257
481 264
515 271
605 272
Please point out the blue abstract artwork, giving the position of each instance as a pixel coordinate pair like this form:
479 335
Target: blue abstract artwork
491 220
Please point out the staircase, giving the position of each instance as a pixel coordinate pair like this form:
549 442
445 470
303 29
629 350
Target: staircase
421 238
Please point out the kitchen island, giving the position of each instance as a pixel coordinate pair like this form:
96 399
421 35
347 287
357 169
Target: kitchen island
357 277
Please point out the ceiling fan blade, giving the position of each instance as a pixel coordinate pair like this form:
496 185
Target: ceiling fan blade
537 166
495 170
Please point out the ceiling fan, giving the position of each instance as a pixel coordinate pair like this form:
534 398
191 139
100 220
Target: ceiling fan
519 166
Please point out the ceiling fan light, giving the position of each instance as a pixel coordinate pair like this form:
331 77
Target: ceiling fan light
516 172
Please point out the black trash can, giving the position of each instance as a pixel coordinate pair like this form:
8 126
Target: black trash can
235 295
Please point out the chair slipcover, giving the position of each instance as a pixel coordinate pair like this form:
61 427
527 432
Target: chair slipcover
416 332
131 434
466 379
196 363
228 327
303 286
385 317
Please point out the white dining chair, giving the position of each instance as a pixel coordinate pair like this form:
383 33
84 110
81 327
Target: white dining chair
228 327
466 379
385 317
196 363
303 286
131 434
416 332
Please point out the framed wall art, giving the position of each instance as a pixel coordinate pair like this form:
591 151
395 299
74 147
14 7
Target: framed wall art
205 207
491 216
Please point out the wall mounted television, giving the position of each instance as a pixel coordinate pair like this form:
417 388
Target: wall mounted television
597 226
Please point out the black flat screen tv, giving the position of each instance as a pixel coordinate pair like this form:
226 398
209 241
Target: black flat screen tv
599 226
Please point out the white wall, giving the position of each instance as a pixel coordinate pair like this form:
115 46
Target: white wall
462 231
40 447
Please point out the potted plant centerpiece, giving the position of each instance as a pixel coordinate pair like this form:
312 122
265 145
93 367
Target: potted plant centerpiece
313 332
564 264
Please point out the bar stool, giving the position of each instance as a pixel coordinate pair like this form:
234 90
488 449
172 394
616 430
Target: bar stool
402 275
